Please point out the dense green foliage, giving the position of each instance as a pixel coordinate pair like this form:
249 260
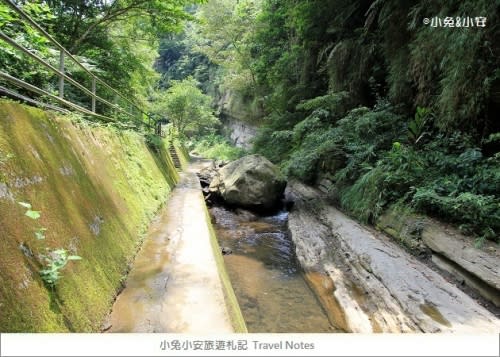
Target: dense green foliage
216 147
213 50
363 93
187 108
15 63
116 40
179 60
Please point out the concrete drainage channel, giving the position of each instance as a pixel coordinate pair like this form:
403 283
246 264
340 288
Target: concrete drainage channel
178 283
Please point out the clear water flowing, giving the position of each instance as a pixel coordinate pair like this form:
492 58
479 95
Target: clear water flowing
265 274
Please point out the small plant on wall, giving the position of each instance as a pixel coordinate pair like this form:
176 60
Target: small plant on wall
53 260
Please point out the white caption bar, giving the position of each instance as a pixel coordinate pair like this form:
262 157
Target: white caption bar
249 345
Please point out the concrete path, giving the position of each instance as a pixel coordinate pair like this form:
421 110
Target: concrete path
175 285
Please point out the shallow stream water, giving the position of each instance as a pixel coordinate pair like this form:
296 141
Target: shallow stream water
265 274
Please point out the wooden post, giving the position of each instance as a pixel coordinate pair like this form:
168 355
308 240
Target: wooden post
61 78
93 92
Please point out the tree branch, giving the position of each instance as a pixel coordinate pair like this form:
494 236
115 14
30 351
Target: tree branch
109 16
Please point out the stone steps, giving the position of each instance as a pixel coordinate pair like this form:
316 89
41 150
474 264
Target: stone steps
175 157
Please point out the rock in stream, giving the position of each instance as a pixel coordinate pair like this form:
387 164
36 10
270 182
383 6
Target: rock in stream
251 182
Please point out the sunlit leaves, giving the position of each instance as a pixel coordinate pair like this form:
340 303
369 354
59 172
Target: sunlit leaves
29 212
40 233
33 214
186 107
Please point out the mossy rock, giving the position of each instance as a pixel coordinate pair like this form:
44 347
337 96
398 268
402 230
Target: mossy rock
405 227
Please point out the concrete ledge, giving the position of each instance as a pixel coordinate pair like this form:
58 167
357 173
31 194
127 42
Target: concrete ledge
235 313
178 283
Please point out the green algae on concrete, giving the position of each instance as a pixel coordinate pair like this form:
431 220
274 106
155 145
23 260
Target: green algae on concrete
235 314
97 188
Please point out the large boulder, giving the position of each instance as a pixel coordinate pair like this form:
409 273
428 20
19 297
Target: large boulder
251 182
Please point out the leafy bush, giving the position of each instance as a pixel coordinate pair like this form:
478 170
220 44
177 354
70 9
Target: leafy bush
364 135
275 145
373 159
416 127
302 165
365 198
154 142
15 62
274 138
218 148
55 261
334 104
188 109
476 213
305 148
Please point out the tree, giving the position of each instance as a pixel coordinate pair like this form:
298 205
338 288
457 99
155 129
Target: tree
119 36
223 34
187 108
179 59
115 39
15 62
79 23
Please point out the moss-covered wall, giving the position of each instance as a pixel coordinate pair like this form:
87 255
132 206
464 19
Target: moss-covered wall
97 189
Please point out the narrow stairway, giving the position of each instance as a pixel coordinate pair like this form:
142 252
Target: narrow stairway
175 157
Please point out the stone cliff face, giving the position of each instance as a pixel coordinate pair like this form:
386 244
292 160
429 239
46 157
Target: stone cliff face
97 189
240 133
240 118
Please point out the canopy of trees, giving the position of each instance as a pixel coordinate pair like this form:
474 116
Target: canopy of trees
389 108
116 39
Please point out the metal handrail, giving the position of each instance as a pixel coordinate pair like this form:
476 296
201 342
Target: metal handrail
30 87
17 95
63 76
64 50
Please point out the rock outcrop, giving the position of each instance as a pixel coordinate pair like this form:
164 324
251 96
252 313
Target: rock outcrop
251 182
241 133
450 250
477 268
370 284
